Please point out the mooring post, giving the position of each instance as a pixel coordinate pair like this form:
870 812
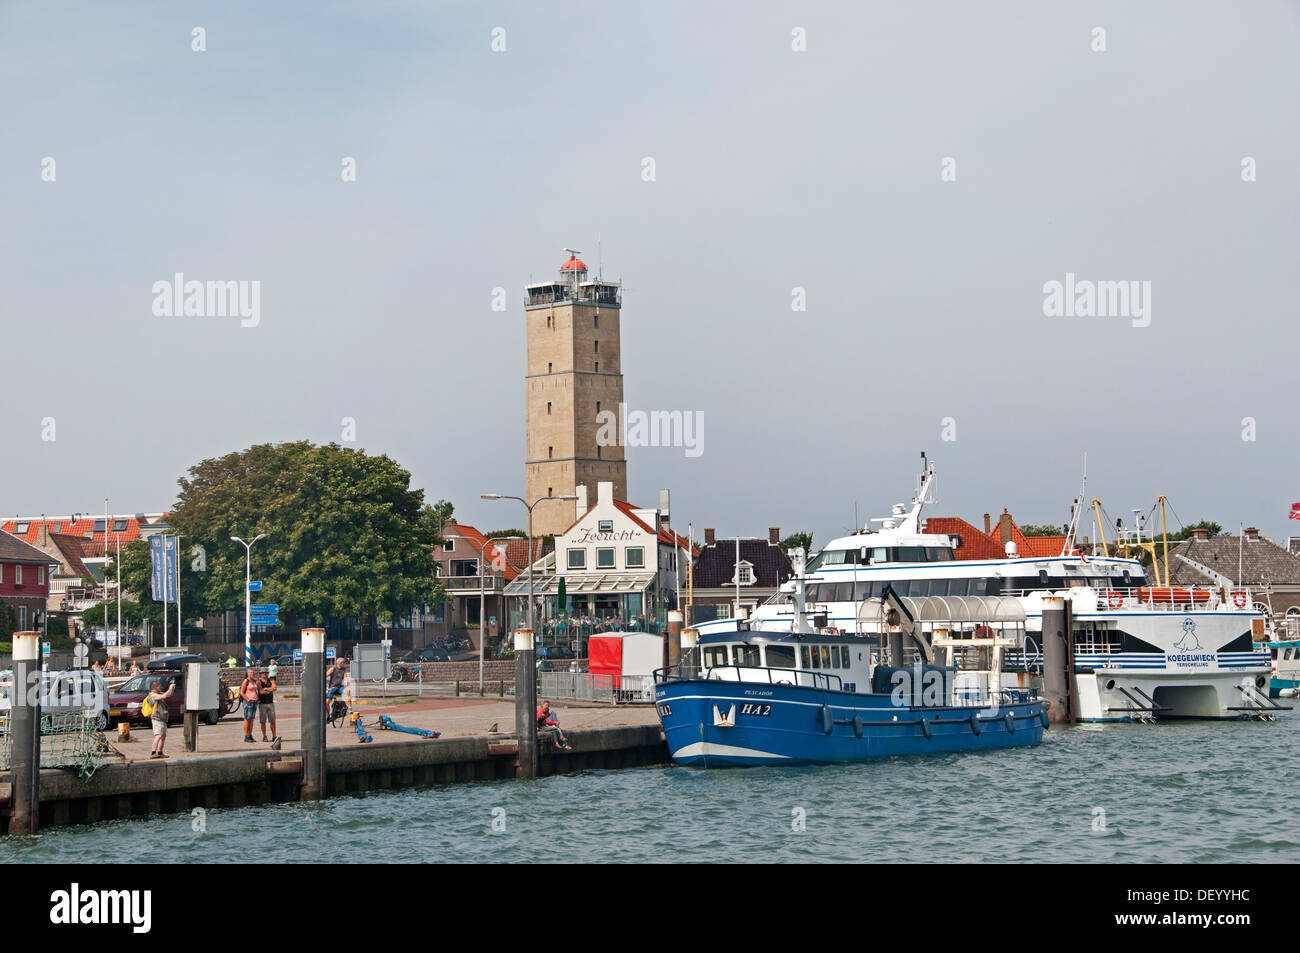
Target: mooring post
674 638
25 729
313 714
526 702
1056 658
690 638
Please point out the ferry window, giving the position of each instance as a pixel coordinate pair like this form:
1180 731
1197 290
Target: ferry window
780 656
958 587
812 593
843 592
835 558
911 554
816 658
866 590
746 655
879 555
940 554
803 657
902 587
939 587
826 656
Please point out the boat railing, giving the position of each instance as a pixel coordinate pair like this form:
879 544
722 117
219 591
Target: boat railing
1174 599
760 674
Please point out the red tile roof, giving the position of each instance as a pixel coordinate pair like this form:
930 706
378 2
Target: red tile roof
83 528
516 549
976 544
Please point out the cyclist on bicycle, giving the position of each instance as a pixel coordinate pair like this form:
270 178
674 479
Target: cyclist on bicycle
335 676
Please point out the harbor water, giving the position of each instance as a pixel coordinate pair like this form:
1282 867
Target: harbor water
1178 792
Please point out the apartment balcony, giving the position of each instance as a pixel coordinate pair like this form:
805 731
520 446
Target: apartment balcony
472 585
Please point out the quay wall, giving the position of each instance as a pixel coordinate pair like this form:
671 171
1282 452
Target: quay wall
177 785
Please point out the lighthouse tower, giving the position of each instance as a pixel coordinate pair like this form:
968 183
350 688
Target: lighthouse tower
574 373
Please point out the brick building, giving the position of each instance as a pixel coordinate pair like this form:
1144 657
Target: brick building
24 581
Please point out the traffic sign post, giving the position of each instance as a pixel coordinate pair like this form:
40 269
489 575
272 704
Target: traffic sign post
255 585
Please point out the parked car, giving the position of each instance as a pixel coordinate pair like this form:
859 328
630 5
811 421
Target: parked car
283 661
81 689
125 700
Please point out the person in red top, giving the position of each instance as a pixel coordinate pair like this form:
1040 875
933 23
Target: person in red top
546 719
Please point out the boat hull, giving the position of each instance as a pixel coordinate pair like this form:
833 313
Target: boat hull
716 723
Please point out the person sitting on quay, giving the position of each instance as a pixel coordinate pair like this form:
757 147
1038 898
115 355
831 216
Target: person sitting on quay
158 717
546 719
248 692
135 668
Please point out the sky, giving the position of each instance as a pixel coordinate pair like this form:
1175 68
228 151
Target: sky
841 257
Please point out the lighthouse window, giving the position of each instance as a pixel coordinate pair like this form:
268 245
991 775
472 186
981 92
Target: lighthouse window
780 656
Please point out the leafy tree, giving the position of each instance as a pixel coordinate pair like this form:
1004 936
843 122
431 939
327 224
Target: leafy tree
8 621
501 533
345 535
93 617
1187 532
1042 529
796 540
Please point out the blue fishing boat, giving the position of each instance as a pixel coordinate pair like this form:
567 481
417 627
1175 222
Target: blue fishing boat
747 695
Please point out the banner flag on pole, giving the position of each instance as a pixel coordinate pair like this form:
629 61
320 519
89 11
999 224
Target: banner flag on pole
162 565
1295 511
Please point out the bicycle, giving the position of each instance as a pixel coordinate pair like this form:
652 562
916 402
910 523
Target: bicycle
337 713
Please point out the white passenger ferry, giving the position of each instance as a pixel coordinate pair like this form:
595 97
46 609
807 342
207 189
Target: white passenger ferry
1141 652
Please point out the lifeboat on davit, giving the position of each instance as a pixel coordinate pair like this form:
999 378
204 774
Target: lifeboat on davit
1172 595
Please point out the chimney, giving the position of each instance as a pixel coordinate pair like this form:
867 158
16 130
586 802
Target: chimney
605 492
988 527
1252 533
1201 532
709 538
43 537
581 506
665 509
1004 527
774 535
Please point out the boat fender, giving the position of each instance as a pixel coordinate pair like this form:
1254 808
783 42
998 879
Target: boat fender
828 721
975 725
925 726
1042 716
857 726
1011 723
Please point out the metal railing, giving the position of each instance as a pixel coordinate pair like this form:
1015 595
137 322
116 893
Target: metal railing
1176 599
584 686
761 673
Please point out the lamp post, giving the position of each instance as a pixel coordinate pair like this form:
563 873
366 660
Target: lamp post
482 626
248 596
525 672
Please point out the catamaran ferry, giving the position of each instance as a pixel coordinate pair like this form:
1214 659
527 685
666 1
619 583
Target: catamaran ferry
1140 652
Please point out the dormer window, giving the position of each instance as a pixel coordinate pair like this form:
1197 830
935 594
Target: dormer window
744 574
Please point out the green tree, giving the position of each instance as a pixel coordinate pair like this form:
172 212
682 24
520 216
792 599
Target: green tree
1188 531
501 533
8 622
345 535
798 539
1042 529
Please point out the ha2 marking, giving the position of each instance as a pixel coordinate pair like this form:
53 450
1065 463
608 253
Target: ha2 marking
754 708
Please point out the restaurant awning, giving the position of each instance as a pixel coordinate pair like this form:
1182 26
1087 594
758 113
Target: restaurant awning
584 584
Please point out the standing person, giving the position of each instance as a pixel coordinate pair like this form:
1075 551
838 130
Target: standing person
266 686
158 717
248 692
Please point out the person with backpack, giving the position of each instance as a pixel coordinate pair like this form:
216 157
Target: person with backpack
154 707
266 686
248 692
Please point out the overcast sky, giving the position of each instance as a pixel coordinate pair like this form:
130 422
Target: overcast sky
774 169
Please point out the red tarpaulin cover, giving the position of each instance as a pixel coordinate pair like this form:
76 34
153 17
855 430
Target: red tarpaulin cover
605 656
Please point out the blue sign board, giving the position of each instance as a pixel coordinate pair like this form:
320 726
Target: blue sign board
269 609
297 655
255 585
329 653
162 565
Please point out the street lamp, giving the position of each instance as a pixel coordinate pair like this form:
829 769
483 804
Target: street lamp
248 597
528 506
482 626
525 672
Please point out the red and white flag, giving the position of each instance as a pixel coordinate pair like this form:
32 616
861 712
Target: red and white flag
1295 511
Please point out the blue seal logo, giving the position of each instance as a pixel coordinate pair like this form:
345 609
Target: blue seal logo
1189 642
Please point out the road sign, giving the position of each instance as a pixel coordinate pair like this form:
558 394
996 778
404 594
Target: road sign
255 585
329 653
297 655
264 609
45 648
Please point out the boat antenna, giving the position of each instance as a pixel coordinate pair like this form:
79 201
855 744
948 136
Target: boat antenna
1072 530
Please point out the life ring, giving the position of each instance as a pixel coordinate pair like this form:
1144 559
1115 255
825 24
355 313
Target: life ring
1115 599
1239 599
